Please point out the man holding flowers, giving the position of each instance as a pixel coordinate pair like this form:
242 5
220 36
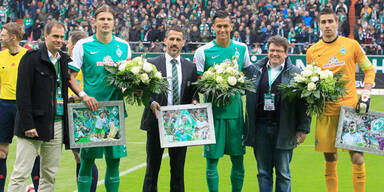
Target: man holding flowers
91 55
228 119
339 54
181 74
275 125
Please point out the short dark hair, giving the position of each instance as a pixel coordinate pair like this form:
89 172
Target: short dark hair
174 28
14 29
326 11
50 25
77 35
220 14
105 8
278 40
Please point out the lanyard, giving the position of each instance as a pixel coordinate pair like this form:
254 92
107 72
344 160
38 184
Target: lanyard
57 69
270 82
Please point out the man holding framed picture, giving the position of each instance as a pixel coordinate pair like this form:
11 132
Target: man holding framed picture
181 73
91 55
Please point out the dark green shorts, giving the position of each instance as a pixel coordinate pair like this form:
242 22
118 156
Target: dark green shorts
111 152
229 139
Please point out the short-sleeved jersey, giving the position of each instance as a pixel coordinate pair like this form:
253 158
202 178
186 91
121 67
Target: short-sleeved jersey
213 54
342 56
79 80
90 55
8 73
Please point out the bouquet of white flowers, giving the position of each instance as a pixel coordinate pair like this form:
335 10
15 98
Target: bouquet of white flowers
316 87
220 82
137 74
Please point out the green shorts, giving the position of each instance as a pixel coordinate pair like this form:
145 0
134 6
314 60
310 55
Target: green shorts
98 131
229 139
111 152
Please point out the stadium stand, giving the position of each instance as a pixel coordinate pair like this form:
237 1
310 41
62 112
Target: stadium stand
143 22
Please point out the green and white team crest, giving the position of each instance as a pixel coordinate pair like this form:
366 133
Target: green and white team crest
343 50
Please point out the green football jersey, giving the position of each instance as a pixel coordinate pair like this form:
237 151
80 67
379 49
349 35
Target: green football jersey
213 54
90 55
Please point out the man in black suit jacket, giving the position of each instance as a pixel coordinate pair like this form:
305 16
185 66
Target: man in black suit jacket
184 93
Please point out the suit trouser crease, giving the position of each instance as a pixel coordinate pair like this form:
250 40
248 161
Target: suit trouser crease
154 157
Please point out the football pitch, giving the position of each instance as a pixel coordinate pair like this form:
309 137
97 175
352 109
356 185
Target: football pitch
307 166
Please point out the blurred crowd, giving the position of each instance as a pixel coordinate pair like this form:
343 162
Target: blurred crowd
143 22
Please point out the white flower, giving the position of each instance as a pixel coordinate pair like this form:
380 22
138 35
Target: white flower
122 65
219 79
232 80
216 67
229 70
306 73
330 74
317 69
135 70
147 67
241 79
158 75
144 78
323 74
309 67
208 73
314 78
220 70
299 78
311 86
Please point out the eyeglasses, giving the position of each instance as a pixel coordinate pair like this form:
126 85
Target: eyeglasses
275 51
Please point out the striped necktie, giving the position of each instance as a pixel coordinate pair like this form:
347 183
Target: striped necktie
175 83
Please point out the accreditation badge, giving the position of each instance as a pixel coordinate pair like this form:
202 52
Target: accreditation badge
269 101
60 106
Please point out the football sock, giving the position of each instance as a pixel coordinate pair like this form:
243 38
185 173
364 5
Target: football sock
3 173
359 177
112 178
77 170
95 175
212 175
84 179
35 174
331 179
237 173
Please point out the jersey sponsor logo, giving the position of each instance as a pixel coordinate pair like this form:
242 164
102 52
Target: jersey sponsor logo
93 52
343 50
107 60
333 62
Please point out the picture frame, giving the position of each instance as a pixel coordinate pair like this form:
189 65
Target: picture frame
360 132
186 125
104 127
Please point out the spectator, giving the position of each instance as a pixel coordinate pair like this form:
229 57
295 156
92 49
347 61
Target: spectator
140 47
236 36
28 23
37 29
155 47
205 35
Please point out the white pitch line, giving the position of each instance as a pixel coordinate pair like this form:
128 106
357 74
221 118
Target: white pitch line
130 170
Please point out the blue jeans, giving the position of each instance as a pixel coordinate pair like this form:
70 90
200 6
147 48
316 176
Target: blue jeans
268 157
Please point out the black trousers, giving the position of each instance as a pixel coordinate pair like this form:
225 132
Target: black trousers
154 157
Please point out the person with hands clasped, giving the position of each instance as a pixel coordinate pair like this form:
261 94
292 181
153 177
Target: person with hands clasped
275 126
41 120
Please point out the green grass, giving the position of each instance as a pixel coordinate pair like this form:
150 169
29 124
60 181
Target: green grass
306 166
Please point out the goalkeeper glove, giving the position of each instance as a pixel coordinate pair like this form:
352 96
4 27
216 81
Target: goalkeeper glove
364 101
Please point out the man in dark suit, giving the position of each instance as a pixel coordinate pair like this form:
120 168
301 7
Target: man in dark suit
180 73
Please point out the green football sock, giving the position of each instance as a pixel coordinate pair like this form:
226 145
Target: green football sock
237 173
84 180
112 179
212 175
